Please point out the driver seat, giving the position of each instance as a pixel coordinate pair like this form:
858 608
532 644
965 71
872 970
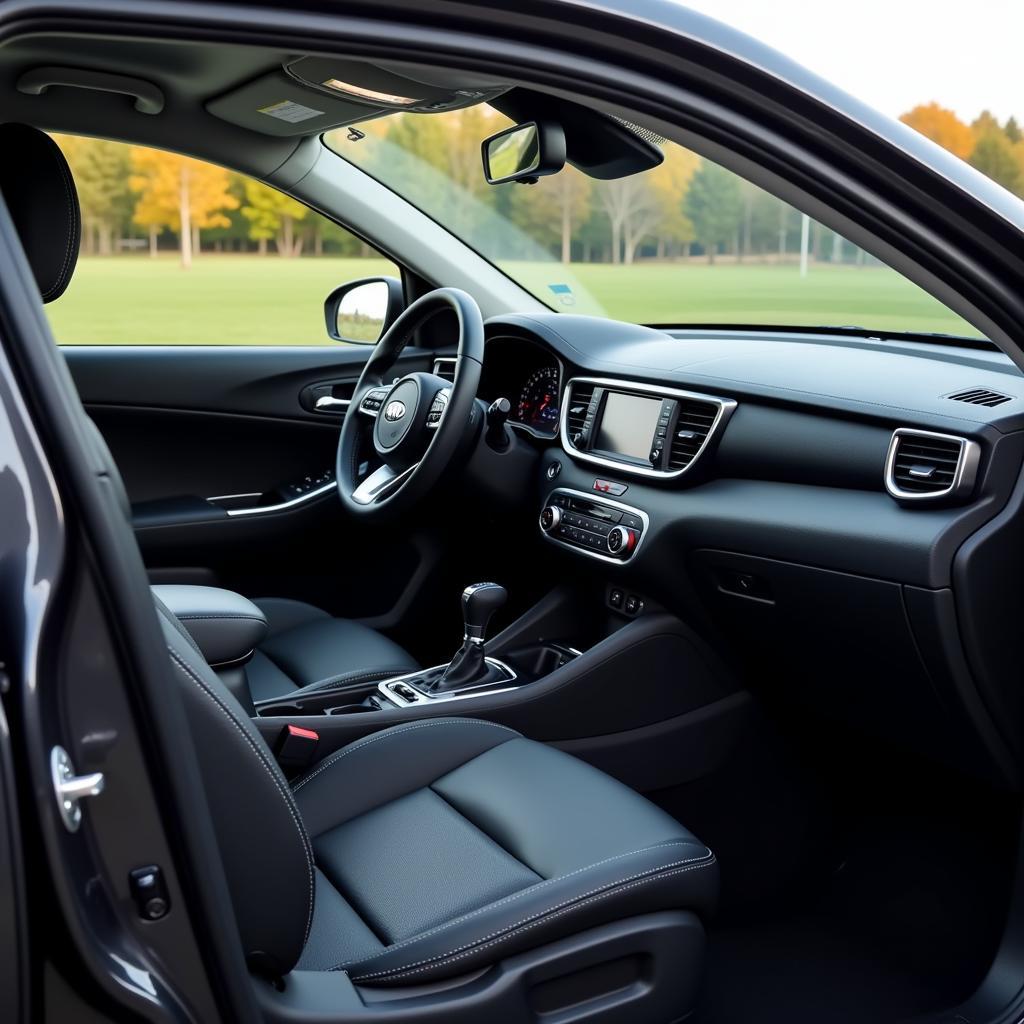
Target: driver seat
304 646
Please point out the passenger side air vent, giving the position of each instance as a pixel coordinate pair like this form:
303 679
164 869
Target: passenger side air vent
445 368
923 466
576 412
980 396
690 432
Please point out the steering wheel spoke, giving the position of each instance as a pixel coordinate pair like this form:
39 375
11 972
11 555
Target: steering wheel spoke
380 483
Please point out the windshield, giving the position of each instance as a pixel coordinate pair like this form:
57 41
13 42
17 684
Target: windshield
688 242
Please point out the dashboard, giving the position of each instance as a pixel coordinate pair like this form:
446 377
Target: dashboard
840 513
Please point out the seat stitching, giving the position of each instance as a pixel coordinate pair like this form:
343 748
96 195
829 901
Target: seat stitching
386 734
523 892
282 789
70 235
567 906
250 618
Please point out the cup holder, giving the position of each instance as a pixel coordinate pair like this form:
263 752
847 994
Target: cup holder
349 709
280 710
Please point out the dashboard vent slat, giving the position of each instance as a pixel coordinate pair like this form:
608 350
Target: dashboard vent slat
690 432
980 396
445 369
579 399
922 465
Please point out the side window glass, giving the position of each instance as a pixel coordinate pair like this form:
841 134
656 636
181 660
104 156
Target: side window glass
176 251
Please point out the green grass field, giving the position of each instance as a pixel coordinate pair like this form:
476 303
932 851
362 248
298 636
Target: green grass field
249 300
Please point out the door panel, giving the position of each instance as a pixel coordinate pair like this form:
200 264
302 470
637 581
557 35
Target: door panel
190 423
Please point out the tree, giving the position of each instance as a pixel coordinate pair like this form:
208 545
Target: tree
272 214
985 124
995 157
101 169
1012 130
632 207
551 210
669 182
942 126
713 204
179 193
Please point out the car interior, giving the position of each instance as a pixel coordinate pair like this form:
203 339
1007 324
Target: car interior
539 665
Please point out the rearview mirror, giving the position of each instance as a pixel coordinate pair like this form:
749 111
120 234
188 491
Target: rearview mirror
524 152
361 311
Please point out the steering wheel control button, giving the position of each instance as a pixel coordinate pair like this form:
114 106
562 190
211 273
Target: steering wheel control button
610 487
437 408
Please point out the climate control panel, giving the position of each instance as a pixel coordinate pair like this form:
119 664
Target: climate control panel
598 527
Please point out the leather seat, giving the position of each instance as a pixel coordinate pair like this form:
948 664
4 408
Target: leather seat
307 649
428 850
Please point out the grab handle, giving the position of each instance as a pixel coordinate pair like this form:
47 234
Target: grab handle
148 98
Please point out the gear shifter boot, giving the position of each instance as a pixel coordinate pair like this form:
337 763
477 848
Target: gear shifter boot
469 668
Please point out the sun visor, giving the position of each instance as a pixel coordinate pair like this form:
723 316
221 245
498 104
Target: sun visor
312 94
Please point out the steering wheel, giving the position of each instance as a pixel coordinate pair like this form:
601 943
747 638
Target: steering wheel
415 424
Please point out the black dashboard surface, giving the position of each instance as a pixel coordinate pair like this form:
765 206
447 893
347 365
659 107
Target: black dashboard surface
872 377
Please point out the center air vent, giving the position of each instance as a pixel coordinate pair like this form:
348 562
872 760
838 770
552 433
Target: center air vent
924 466
691 431
445 369
980 396
576 411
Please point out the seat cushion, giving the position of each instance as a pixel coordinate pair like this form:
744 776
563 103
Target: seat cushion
445 845
307 648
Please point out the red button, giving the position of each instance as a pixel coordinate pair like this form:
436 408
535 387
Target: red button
300 733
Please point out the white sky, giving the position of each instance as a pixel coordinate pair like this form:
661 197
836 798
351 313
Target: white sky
893 54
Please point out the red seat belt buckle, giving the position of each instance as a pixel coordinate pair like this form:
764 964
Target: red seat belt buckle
296 746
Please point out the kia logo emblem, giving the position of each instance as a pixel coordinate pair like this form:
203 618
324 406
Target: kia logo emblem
394 411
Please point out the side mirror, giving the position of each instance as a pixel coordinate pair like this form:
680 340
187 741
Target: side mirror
361 311
524 152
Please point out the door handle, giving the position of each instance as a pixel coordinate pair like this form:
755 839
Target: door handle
70 788
328 403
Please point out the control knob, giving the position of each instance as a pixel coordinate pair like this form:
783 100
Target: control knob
550 517
621 541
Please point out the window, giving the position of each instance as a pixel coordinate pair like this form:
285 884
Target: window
688 242
251 267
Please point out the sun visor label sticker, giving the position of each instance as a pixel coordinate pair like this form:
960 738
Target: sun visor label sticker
290 111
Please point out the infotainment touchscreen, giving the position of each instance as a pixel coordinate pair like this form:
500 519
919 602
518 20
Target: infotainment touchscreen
627 425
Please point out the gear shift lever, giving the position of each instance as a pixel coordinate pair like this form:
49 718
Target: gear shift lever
468 668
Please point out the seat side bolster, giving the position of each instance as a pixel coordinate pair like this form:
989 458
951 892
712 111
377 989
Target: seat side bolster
390 764
676 874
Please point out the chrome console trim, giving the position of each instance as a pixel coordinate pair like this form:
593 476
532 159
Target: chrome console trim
726 407
387 687
599 499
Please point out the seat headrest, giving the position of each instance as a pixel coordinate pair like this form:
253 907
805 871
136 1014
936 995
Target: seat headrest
36 184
